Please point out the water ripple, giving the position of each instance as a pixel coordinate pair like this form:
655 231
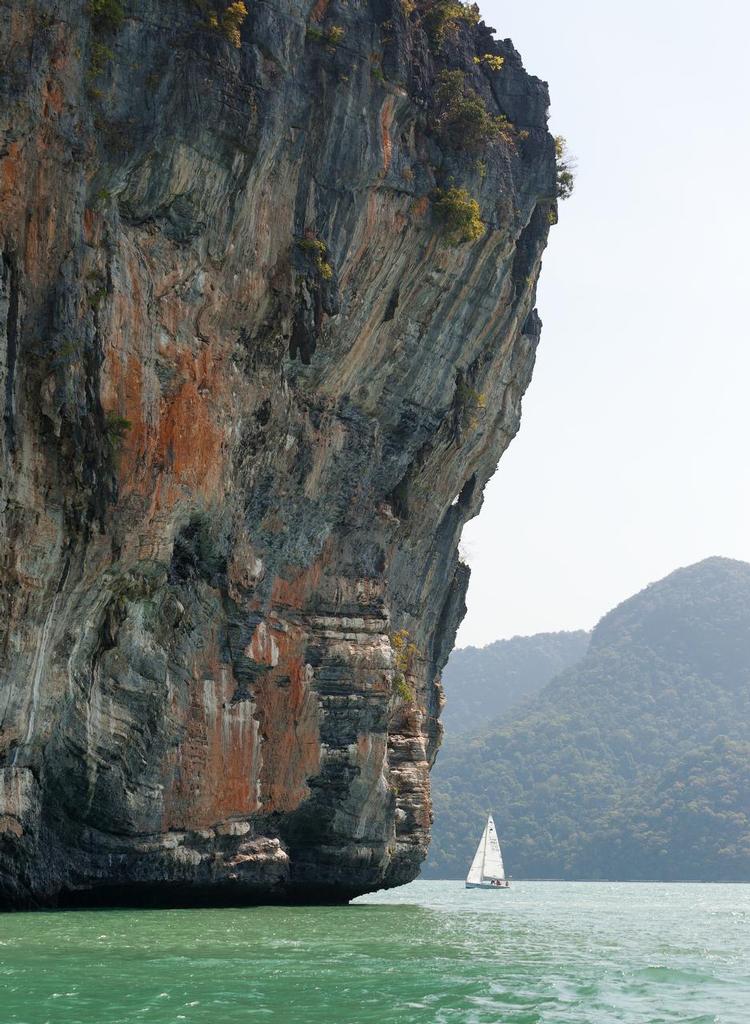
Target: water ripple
431 953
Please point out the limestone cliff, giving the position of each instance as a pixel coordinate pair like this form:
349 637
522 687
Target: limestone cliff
253 380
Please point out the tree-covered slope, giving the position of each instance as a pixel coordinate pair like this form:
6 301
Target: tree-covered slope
632 764
483 683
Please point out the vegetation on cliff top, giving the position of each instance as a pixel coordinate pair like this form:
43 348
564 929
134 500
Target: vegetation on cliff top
441 16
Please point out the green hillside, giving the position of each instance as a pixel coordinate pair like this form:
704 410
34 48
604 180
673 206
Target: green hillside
483 683
632 764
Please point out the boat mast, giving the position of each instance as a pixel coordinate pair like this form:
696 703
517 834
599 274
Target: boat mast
484 848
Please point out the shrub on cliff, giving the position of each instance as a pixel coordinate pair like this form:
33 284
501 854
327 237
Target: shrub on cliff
106 15
459 214
225 18
463 121
317 251
491 61
332 36
565 169
440 16
116 430
470 403
99 57
231 21
405 653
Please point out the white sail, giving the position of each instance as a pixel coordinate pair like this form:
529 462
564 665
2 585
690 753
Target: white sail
493 858
475 871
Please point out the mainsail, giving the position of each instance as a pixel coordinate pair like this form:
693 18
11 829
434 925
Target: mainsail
488 860
475 871
493 858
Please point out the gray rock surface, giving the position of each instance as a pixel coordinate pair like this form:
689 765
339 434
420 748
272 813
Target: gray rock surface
234 463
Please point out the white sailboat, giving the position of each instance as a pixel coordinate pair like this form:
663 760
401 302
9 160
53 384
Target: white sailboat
487 870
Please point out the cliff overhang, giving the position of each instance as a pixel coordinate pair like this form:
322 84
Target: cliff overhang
255 372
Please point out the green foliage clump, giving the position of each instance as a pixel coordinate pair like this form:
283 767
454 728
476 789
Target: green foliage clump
332 36
459 214
225 18
565 169
441 16
463 121
99 56
402 689
491 61
116 430
376 67
470 403
405 653
228 21
106 15
97 296
317 250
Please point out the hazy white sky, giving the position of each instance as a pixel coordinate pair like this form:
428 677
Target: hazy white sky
632 456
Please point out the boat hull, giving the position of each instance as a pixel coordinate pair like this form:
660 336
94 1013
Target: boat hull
487 885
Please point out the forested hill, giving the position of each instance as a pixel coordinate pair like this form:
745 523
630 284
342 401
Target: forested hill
483 683
635 763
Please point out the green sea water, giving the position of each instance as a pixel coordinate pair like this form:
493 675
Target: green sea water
429 953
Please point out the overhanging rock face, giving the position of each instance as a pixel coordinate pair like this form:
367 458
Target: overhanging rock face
252 385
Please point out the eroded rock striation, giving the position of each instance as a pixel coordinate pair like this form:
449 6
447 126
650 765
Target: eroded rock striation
252 387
